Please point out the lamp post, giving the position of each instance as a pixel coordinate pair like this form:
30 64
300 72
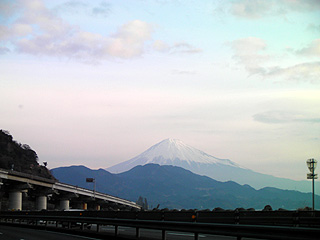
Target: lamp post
312 164
92 180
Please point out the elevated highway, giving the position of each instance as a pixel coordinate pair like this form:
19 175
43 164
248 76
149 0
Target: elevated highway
16 186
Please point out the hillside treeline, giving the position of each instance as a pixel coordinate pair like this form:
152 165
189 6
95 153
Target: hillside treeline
20 157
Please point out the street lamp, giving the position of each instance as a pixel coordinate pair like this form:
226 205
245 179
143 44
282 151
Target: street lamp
92 180
312 164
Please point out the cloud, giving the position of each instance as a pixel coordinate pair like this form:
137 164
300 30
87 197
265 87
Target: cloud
130 39
8 7
183 47
102 10
182 72
127 42
14 31
251 9
313 49
307 72
302 5
39 31
72 7
251 53
260 8
4 50
314 28
161 46
274 117
176 48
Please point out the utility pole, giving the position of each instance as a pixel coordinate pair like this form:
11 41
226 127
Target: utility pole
312 163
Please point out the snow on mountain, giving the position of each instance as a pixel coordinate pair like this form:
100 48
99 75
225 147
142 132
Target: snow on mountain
171 149
171 152
175 152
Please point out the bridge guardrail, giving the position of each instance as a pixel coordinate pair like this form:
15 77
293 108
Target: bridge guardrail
274 218
175 221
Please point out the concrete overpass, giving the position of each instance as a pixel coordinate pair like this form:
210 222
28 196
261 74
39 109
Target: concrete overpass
16 184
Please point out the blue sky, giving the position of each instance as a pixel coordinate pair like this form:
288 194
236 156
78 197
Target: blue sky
98 82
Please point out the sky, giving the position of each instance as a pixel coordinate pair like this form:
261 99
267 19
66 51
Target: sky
96 83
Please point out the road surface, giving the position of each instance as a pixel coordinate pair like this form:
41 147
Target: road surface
20 233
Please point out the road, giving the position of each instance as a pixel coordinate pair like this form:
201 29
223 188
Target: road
151 234
17 233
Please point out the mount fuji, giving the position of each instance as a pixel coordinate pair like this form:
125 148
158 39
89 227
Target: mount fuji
175 152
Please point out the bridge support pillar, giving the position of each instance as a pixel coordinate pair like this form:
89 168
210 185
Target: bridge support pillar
15 200
64 204
41 202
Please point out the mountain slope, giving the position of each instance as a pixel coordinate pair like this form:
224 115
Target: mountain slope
76 175
175 152
171 152
20 157
175 187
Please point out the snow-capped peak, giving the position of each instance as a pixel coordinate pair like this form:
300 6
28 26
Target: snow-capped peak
171 152
173 149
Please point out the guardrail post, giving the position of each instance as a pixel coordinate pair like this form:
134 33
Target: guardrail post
196 236
164 235
116 231
236 217
137 233
98 227
296 219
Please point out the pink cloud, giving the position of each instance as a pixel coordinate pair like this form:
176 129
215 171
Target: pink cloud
40 32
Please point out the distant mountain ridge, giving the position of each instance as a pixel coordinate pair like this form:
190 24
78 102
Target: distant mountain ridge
175 187
176 153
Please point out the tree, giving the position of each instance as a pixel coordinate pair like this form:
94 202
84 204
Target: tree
143 203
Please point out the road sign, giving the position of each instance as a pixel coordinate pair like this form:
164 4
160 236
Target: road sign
90 180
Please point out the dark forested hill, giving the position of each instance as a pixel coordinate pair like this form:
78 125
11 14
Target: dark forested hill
20 157
175 187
